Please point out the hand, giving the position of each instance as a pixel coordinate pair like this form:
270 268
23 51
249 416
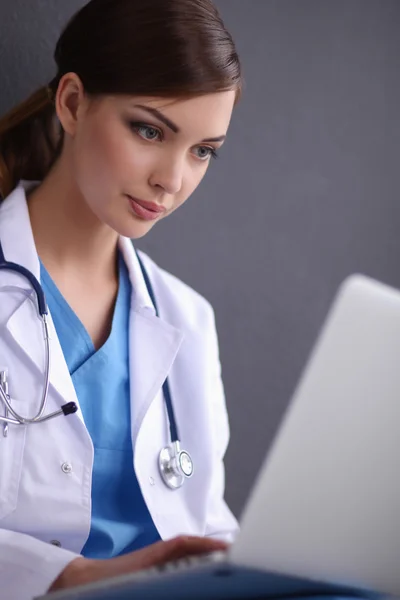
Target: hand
84 570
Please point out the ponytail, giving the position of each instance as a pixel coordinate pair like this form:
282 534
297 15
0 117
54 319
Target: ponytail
29 140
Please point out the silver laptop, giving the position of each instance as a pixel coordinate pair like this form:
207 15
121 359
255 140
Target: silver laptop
326 503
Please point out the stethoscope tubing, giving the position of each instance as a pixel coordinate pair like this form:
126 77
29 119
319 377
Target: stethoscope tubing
173 427
175 464
43 311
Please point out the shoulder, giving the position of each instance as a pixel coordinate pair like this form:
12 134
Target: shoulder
177 298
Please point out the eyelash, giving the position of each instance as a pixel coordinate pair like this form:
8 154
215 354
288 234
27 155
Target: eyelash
137 126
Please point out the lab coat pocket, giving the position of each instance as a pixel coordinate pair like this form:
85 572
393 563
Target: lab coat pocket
11 458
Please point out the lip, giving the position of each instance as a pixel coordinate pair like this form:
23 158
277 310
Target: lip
149 211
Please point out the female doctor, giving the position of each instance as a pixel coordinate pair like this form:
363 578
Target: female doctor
117 141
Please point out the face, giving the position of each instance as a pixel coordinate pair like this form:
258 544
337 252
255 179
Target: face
137 159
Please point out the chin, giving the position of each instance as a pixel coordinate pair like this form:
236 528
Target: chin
134 231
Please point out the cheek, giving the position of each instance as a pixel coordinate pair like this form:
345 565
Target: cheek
105 157
91 159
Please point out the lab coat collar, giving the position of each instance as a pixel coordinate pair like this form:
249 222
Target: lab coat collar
15 225
15 229
141 300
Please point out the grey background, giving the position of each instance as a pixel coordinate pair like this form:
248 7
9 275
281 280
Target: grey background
305 192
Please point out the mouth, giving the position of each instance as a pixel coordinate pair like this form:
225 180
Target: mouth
148 211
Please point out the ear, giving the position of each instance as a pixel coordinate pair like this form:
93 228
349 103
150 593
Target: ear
70 102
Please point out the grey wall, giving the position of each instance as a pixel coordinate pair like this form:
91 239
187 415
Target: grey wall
305 192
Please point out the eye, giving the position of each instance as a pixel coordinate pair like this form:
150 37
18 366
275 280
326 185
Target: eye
207 152
147 132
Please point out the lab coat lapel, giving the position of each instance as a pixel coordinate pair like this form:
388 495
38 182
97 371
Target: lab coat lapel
153 343
22 320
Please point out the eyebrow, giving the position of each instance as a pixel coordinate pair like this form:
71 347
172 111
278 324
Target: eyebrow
171 125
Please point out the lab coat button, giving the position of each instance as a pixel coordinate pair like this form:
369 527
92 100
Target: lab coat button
66 468
55 543
151 480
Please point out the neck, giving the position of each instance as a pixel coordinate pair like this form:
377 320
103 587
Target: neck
67 234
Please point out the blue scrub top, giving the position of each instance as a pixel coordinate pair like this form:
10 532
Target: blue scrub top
120 519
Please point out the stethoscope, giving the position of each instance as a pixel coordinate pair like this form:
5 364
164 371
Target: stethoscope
175 465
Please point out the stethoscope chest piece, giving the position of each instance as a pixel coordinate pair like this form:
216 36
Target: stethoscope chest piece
175 465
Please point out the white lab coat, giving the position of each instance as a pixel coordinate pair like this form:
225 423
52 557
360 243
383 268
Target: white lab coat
45 469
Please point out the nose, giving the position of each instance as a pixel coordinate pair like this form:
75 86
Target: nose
169 175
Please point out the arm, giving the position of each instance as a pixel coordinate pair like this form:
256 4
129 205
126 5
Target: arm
29 566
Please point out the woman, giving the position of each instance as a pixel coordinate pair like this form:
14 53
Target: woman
120 139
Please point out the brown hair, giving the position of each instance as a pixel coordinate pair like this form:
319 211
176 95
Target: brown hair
165 48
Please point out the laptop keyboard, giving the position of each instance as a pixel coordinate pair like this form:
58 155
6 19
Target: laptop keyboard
188 562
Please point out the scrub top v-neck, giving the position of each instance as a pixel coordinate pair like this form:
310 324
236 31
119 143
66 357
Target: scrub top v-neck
120 521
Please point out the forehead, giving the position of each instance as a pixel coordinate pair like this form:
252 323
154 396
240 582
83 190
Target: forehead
208 114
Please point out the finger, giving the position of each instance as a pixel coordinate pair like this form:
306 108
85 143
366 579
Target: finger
162 552
190 545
